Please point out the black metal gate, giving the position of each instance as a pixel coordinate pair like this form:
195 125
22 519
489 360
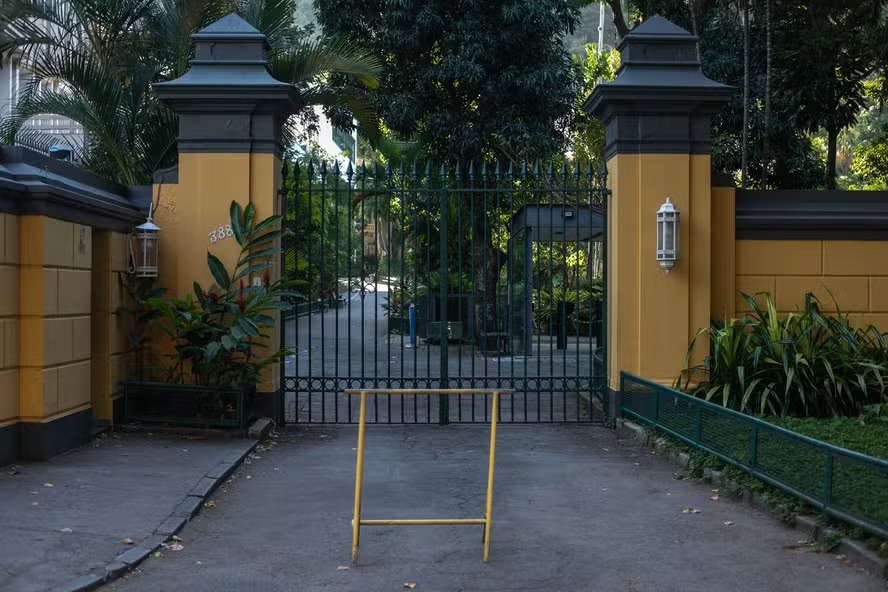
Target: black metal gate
471 276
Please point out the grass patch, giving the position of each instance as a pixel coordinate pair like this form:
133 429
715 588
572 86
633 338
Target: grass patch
867 436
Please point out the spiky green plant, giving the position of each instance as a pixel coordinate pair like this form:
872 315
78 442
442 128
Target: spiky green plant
806 363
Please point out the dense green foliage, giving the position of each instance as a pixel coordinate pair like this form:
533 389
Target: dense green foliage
471 79
217 333
828 65
94 62
805 364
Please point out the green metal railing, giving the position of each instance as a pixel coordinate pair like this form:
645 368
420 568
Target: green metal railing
847 485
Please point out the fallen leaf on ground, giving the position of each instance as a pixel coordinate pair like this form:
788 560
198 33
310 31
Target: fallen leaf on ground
67 530
176 538
48 485
728 523
714 498
157 554
173 546
210 504
410 586
128 541
690 511
343 568
715 491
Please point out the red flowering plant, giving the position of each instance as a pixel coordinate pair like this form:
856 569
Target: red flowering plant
218 333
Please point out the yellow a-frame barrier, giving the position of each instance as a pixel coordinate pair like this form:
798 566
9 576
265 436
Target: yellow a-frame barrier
357 523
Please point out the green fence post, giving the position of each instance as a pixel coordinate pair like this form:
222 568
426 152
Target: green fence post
827 477
753 445
698 423
656 406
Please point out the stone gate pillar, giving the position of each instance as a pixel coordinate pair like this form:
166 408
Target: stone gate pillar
231 111
657 115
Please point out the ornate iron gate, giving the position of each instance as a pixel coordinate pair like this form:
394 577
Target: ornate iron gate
434 277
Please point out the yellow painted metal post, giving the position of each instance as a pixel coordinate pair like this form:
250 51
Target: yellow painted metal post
359 477
489 507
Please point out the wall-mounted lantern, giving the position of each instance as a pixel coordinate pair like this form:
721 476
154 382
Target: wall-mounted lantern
143 249
667 235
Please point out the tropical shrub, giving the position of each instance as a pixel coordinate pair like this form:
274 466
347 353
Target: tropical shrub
805 364
217 333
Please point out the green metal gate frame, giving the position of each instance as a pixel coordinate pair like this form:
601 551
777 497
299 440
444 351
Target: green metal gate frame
317 198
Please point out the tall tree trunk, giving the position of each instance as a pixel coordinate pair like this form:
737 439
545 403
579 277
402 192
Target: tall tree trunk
745 148
831 145
619 18
488 261
766 146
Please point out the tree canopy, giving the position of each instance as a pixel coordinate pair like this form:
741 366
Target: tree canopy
100 58
469 79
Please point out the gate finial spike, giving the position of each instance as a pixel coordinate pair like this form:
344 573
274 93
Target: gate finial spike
577 172
388 171
471 170
310 171
336 167
296 169
524 170
364 170
428 171
511 172
603 172
565 170
414 172
443 171
349 172
457 171
551 171
496 170
484 170
401 169
536 169
589 171
323 169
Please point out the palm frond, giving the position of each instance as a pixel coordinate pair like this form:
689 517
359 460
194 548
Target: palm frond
307 60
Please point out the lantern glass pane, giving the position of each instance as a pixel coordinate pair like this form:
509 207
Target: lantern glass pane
669 235
149 254
660 224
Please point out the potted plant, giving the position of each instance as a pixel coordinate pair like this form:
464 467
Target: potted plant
216 336
396 305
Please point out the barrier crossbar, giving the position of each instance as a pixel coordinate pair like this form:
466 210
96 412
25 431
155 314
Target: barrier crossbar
357 522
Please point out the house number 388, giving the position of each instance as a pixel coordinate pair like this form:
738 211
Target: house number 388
220 233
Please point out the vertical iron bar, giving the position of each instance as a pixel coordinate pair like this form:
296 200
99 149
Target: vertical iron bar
476 329
460 288
282 270
310 257
323 206
604 197
443 402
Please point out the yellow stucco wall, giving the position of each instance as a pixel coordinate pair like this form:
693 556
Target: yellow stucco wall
211 182
51 306
852 275
9 322
652 315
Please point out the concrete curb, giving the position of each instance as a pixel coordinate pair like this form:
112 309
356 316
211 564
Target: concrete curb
185 510
854 550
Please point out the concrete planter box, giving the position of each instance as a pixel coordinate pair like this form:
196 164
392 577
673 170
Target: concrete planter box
188 405
399 324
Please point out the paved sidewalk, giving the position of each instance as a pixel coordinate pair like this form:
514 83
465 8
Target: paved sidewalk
575 509
62 522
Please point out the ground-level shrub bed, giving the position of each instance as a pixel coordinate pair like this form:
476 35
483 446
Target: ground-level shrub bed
867 435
